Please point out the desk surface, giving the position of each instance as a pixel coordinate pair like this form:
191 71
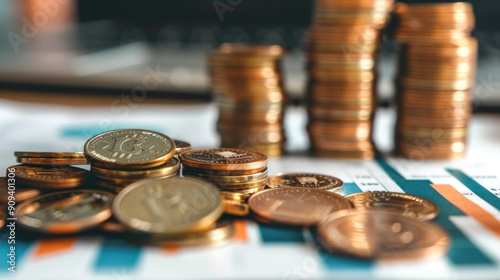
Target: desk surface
467 191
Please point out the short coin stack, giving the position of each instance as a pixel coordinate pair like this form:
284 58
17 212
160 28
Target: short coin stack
248 87
437 65
341 50
121 157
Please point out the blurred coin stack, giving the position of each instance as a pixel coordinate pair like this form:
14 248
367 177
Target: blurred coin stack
247 85
437 63
341 49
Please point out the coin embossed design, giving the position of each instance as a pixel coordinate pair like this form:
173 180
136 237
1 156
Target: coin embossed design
224 159
382 235
129 148
66 212
20 194
168 206
296 206
405 204
50 177
305 180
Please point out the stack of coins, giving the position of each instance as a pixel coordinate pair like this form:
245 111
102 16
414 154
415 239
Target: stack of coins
121 157
248 87
232 170
341 49
437 63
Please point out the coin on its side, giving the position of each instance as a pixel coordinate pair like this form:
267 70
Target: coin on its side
129 149
306 180
20 194
53 161
181 146
382 235
224 159
296 206
66 212
168 206
50 177
405 204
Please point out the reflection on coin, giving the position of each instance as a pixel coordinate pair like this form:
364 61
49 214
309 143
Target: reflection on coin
224 159
405 204
53 161
382 235
306 180
297 206
181 146
170 168
129 148
20 194
66 212
168 206
3 217
236 208
50 177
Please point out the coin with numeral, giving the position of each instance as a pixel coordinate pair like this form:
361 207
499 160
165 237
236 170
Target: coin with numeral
129 149
306 180
66 212
168 206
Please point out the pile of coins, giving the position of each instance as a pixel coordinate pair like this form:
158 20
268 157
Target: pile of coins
248 88
437 64
341 49
115 162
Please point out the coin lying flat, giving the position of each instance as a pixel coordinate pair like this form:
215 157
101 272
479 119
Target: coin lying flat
66 212
236 208
20 194
224 159
181 146
297 206
129 149
53 161
49 155
305 180
168 206
171 167
50 177
405 204
382 235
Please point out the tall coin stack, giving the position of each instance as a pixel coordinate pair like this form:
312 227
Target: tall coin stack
437 63
247 85
341 49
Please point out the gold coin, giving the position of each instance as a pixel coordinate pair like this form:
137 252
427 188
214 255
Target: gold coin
297 206
53 161
382 235
229 179
170 168
129 149
224 159
181 146
168 206
19 192
235 208
409 205
244 191
66 212
234 196
306 180
50 177
48 155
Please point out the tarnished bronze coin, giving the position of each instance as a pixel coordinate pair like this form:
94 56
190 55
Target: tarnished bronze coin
168 206
66 212
306 180
50 177
20 194
224 159
296 206
129 149
406 204
382 235
181 146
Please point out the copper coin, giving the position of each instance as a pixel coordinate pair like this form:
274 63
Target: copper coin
66 212
3 218
224 159
20 194
50 177
306 180
170 168
229 179
245 50
382 235
53 161
296 206
407 204
49 155
181 146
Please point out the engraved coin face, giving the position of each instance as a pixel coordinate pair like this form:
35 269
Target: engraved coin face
20 194
50 177
382 235
305 180
224 159
168 206
129 148
297 206
66 212
405 204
